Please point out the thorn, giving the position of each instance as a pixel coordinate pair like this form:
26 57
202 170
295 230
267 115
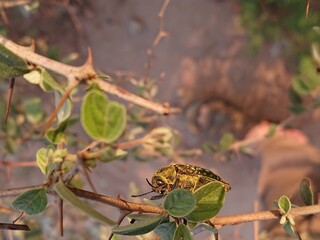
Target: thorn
89 61
32 47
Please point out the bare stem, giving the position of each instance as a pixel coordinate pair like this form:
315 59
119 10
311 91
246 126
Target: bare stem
217 221
84 73
13 192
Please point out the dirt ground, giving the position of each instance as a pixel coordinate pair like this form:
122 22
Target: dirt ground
202 66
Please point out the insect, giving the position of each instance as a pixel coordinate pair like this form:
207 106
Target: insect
185 176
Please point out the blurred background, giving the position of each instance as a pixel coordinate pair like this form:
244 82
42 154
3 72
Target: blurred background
233 67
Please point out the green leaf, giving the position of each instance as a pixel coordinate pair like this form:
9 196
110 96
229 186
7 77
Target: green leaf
306 192
210 199
33 77
43 161
166 230
66 194
284 205
179 202
300 86
34 111
48 83
140 227
56 136
297 109
110 153
289 229
10 64
31 202
182 233
40 76
272 130
65 111
226 140
102 119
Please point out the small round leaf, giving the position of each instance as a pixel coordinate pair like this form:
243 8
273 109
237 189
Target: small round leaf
284 204
139 227
102 119
31 202
179 202
182 233
306 192
210 199
166 230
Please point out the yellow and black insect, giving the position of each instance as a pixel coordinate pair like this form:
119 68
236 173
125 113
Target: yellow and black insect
185 176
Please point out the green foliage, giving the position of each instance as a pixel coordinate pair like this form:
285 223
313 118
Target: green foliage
166 230
182 233
286 23
31 202
33 110
306 192
140 227
63 192
110 153
226 140
49 156
210 199
40 76
101 118
285 206
272 20
179 202
65 111
10 64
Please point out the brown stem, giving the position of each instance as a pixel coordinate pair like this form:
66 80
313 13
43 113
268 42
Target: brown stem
116 202
60 104
11 86
84 72
13 192
18 164
216 221
9 4
12 226
263 215
60 202
84 154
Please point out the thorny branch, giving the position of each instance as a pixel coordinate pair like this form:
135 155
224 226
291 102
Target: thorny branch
84 73
9 4
145 208
161 34
217 221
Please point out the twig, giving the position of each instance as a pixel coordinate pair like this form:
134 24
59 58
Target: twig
307 8
18 164
13 192
256 223
10 93
216 221
60 216
9 4
116 202
12 226
64 97
84 73
263 215
85 154
161 34
247 142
